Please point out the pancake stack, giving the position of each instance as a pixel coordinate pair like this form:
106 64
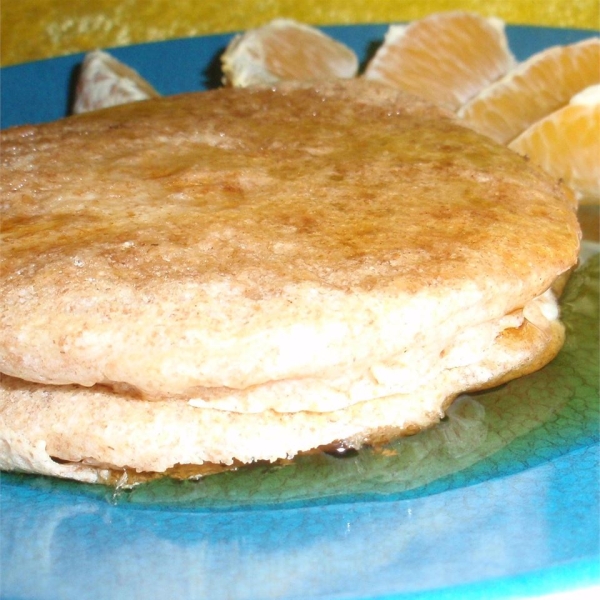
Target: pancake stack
207 280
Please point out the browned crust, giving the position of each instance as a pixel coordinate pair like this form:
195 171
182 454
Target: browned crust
205 228
239 213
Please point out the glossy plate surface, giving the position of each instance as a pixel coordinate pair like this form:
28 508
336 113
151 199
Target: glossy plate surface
500 500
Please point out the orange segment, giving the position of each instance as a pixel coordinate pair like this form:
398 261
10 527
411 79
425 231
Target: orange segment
104 81
540 85
285 49
446 58
566 144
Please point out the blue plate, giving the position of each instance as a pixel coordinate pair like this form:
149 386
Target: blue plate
500 500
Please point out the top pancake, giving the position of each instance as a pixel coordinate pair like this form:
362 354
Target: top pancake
243 236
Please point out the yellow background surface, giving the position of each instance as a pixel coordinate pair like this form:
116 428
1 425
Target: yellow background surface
34 29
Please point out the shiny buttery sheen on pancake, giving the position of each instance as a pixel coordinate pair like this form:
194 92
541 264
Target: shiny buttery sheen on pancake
299 264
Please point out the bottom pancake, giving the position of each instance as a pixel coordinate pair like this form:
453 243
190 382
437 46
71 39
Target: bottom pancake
100 436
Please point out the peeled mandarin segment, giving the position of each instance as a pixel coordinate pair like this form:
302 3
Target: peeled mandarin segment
285 50
539 86
446 58
104 81
566 144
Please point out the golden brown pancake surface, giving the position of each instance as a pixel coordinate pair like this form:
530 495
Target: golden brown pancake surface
245 274
176 244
